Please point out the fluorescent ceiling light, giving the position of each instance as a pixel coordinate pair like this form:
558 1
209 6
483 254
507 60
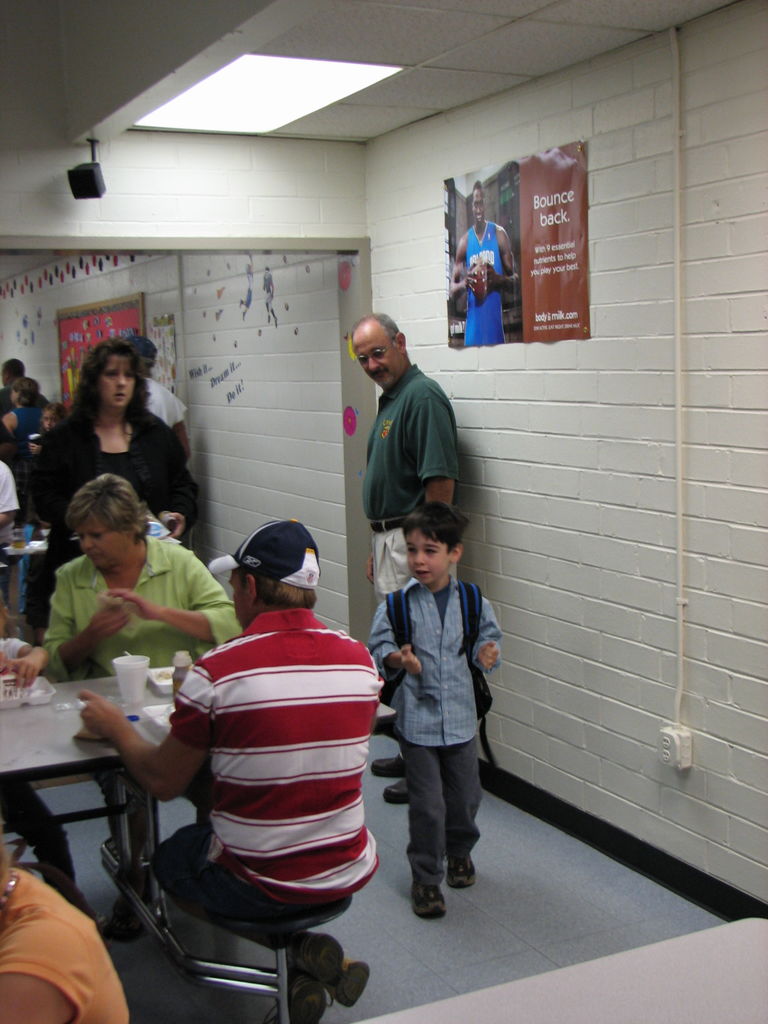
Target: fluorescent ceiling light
256 94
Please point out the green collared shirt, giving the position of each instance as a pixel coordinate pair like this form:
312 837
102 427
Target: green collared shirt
172 576
413 439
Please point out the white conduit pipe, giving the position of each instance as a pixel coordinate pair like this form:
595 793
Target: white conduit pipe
681 600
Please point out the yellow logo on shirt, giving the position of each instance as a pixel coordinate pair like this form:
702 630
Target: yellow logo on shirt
386 426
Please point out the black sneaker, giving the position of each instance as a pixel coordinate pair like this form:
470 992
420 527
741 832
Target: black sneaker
306 999
427 900
321 957
318 955
461 872
351 983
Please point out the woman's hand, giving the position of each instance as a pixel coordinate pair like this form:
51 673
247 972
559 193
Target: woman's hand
488 655
175 522
34 448
108 621
140 605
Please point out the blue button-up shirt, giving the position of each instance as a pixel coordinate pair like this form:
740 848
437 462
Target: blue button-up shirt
437 707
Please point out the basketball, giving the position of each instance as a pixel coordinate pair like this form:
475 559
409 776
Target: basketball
477 279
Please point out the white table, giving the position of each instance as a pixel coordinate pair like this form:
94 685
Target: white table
716 976
39 742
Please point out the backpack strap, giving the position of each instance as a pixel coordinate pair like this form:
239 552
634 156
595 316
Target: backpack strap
471 600
399 616
471 604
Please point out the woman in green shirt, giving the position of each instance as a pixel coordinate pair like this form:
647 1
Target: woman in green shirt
129 591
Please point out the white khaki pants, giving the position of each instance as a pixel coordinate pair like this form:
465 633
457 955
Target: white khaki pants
390 562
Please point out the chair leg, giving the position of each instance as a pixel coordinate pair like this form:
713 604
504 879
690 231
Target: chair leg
281 959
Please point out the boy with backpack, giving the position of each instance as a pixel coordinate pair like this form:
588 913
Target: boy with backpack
435 703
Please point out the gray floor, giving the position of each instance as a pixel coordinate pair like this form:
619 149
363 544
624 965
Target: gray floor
542 900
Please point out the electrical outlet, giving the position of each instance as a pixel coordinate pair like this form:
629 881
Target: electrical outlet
676 746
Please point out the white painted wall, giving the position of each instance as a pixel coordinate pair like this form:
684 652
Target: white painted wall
264 402
567 449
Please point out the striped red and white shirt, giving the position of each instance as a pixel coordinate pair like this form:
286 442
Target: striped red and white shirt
286 710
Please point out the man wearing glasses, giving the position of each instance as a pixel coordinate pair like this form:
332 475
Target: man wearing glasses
412 458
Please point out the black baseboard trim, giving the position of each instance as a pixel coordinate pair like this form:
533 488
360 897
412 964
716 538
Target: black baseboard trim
695 885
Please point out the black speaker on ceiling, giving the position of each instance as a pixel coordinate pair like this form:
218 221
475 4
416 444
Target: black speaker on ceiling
87 181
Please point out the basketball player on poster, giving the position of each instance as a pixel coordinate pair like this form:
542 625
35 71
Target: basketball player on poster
484 268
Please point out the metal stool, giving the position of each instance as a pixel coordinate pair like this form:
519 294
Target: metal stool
278 935
275 934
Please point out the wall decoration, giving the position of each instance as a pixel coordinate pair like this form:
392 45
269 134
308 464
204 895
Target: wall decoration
245 303
345 274
82 327
516 251
555 259
163 333
54 275
350 420
268 287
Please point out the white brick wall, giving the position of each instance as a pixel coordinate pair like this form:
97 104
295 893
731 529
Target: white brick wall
567 450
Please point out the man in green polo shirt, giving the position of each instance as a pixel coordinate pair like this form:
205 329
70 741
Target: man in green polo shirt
412 458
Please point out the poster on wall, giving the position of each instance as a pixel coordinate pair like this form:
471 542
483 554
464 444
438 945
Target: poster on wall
81 327
163 333
516 251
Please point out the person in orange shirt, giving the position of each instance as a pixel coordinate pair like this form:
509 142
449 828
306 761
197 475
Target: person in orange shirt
54 968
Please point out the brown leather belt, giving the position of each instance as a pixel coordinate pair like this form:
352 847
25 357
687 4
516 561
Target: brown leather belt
382 525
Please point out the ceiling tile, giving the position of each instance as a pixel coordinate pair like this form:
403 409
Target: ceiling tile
352 122
534 48
429 87
506 9
649 15
376 34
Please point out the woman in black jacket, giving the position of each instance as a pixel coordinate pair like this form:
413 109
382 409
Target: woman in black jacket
109 431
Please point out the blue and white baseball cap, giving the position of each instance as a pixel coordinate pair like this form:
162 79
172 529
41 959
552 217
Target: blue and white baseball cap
282 550
145 348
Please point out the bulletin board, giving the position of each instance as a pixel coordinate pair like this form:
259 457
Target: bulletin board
82 327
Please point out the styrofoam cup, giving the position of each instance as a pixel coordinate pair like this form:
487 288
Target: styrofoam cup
131 672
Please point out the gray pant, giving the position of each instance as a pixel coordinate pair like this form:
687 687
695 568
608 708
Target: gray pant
444 794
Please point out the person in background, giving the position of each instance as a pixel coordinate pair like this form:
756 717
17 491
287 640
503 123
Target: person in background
21 422
7 445
435 704
52 415
20 802
128 590
109 431
412 458
17 657
54 967
160 401
9 507
31 566
284 712
10 370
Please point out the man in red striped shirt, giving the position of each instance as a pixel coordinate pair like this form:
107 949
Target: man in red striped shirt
285 713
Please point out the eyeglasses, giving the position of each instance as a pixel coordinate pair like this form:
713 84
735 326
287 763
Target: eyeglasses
375 353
